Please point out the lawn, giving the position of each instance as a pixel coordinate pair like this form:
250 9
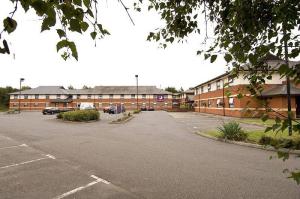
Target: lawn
258 121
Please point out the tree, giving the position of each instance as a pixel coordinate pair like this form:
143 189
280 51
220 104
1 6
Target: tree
245 33
71 15
25 88
4 96
171 89
70 87
86 87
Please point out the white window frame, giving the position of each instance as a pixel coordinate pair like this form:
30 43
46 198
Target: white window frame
231 102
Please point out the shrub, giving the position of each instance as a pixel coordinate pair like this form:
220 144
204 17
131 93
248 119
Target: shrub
288 143
59 115
80 115
136 111
232 131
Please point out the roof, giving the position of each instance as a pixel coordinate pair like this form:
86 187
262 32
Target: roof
277 90
128 90
274 62
43 90
189 91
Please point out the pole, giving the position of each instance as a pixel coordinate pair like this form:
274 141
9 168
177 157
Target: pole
20 97
288 84
137 92
223 98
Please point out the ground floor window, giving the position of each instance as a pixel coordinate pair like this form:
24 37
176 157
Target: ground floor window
231 102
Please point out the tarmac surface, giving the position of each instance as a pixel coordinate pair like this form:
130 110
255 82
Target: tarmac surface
155 155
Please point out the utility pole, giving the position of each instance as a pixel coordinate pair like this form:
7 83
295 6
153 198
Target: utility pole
288 82
137 92
21 80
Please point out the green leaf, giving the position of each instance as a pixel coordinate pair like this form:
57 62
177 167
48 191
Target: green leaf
87 3
213 58
74 50
40 7
77 2
228 57
47 23
84 26
61 33
93 35
296 176
61 44
75 25
9 24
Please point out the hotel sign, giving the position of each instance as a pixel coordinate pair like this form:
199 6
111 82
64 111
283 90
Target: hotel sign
160 98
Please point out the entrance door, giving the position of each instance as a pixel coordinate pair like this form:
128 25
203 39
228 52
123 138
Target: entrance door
298 106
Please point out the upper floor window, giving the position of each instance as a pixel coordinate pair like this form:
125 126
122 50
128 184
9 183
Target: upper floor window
218 84
122 96
208 87
36 96
111 96
47 97
202 89
132 96
57 96
230 79
89 96
144 96
25 96
231 102
100 96
16 96
78 96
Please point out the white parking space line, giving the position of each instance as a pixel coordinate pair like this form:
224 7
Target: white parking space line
27 162
97 180
15 146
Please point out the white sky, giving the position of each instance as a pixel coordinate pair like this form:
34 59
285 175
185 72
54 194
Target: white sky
115 60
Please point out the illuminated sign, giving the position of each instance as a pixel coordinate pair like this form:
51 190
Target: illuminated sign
160 98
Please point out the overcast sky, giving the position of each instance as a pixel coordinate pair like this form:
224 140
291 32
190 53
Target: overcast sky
115 60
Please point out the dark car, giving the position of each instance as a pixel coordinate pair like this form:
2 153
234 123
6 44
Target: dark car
143 109
50 110
106 109
150 109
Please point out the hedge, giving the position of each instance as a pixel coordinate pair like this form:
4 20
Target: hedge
79 115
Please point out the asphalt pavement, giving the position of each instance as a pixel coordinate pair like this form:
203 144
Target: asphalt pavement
155 155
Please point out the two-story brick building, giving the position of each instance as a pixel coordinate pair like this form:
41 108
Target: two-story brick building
220 95
101 96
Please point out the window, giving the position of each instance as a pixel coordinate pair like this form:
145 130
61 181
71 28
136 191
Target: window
36 104
202 89
15 96
230 79
111 96
14 104
144 96
132 96
208 87
219 103
231 102
209 103
89 96
100 96
218 84
57 96
78 96
36 96
122 96
25 96
47 96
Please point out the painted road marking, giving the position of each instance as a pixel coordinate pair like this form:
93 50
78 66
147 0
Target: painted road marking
97 180
15 146
27 162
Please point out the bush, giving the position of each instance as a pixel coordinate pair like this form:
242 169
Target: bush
136 111
232 131
79 115
288 143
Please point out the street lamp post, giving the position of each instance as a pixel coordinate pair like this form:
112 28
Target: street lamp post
137 92
21 80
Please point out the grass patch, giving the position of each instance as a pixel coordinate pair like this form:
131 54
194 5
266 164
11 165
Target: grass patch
258 121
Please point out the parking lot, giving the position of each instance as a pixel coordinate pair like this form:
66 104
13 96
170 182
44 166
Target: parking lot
155 156
27 172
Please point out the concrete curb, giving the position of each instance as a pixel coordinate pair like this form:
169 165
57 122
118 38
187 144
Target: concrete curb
257 146
122 122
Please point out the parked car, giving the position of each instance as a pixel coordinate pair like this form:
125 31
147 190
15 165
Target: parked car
106 109
50 110
150 109
143 109
87 106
